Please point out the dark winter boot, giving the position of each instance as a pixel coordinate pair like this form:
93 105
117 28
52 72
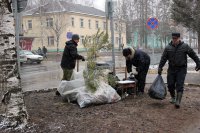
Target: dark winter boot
57 93
178 99
173 99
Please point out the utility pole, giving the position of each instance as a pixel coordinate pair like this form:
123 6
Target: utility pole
109 11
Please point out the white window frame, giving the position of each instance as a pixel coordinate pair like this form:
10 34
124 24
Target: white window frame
97 24
82 39
72 21
49 22
51 40
89 24
30 25
81 22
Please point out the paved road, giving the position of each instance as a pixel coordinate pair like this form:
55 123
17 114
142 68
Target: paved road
40 76
48 74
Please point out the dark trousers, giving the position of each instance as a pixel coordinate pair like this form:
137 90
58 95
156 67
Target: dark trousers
141 78
176 79
45 55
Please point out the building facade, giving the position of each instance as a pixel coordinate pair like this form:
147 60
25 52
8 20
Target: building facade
51 25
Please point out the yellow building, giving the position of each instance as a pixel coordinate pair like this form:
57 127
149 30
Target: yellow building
55 22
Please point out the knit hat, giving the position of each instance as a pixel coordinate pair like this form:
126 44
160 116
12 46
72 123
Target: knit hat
75 37
126 52
176 34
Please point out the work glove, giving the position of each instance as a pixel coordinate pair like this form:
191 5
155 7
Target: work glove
160 71
83 59
197 68
131 74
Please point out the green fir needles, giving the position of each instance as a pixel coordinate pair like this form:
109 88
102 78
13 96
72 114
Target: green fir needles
93 44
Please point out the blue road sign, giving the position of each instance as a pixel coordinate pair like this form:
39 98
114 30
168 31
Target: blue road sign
69 35
152 23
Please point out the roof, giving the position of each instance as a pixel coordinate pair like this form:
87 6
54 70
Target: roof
63 6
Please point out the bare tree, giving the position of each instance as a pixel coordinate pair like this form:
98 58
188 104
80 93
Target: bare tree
41 19
58 22
137 13
85 2
37 3
58 28
124 11
164 16
120 19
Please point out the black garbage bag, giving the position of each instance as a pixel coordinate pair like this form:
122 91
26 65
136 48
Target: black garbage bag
158 89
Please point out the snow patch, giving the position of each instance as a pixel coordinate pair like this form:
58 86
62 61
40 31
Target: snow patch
13 82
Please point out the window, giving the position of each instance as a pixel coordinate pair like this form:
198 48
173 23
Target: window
104 25
29 24
50 40
72 20
81 23
89 24
49 22
97 24
82 39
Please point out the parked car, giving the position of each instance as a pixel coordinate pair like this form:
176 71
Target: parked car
31 57
22 59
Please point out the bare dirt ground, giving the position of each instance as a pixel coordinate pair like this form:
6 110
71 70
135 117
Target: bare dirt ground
49 114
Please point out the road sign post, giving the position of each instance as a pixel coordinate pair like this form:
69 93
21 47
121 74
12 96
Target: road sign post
18 6
152 24
109 14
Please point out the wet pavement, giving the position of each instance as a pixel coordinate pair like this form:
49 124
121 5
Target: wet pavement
48 74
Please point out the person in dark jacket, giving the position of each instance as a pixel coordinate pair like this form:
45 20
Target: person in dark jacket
141 61
69 57
39 51
176 54
44 50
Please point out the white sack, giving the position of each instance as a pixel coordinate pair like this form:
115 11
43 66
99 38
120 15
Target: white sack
104 94
66 86
75 90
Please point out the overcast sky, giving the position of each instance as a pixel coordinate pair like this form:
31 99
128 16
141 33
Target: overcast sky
99 4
